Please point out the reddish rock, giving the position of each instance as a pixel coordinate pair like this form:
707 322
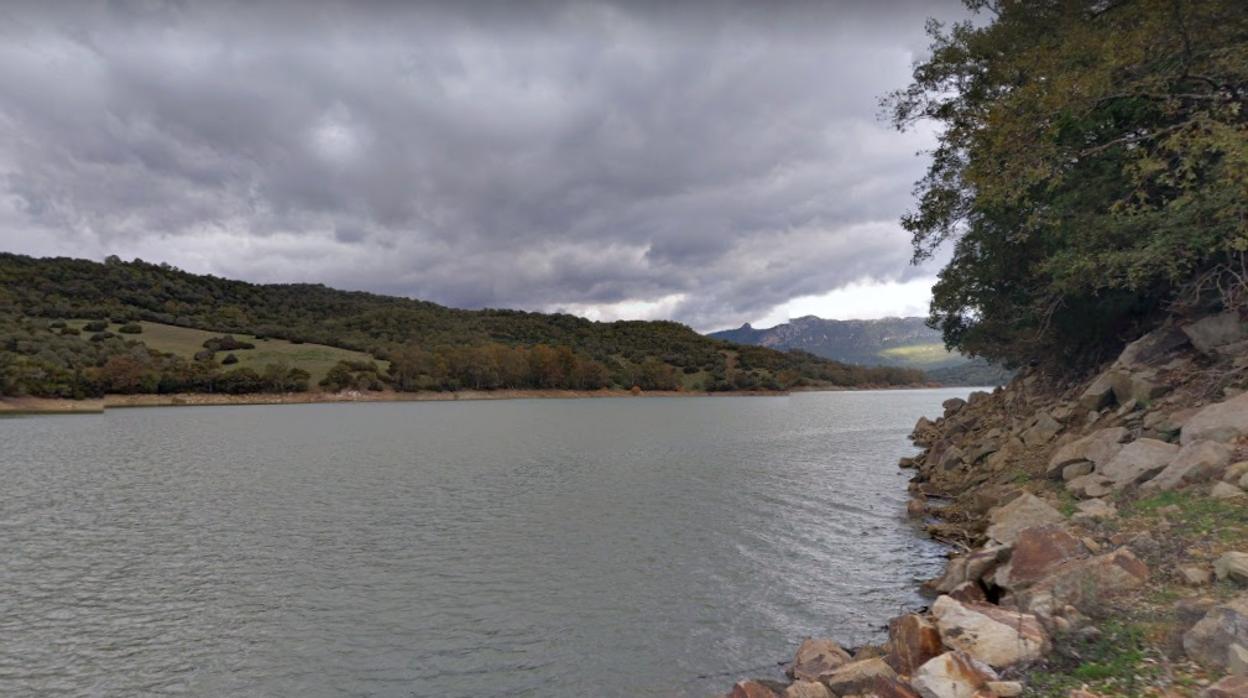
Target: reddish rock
857 676
952 675
991 634
817 656
751 689
912 641
883 687
1085 584
807 689
1023 512
1038 551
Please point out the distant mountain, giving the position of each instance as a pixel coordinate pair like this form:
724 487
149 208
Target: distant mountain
907 342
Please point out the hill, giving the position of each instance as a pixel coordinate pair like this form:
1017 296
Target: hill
906 342
155 328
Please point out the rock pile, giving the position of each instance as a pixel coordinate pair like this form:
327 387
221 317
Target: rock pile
1028 477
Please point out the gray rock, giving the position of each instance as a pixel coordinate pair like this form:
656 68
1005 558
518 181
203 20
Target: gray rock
1195 462
1210 640
1152 347
953 406
1237 659
1094 510
1223 421
1209 333
1225 490
1091 485
1024 511
1195 575
1138 461
1085 584
1100 393
1042 431
1077 469
1232 566
951 458
1227 687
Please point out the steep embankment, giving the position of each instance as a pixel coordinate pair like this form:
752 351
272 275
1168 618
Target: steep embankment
1100 536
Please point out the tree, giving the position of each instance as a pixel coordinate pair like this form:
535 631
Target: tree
1090 171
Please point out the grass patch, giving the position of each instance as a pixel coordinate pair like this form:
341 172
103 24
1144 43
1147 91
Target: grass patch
1194 514
1116 663
316 359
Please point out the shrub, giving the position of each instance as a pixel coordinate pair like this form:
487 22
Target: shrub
101 336
70 331
204 355
131 328
229 359
95 326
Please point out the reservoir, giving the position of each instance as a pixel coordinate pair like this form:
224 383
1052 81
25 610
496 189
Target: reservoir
594 547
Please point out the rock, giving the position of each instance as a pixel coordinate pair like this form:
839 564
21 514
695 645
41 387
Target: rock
1025 511
916 508
1222 421
953 406
1005 689
1152 347
969 592
1085 584
1094 510
968 568
1236 472
952 675
1228 687
883 687
807 689
1092 485
1098 447
1077 469
1099 393
977 397
1224 490
817 656
868 652
751 689
857 676
924 432
1209 333
1040 549
1195 575
951 458
912 641
991 634
1209 641
1237 659
1138 461
1195 462
1232 566
1043 431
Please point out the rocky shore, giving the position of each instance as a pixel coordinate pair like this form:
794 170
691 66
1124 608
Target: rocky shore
1099 537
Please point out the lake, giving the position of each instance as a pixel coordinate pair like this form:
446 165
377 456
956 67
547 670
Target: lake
610 547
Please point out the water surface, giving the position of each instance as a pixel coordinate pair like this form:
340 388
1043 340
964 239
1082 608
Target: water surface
621 547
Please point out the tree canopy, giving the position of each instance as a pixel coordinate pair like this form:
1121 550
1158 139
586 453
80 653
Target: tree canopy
1091 173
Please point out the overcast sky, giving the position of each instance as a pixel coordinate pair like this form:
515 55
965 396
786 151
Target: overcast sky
712 163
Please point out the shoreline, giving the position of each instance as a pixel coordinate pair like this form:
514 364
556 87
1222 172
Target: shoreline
39 405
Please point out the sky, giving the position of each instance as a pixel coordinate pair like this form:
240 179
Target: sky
713 163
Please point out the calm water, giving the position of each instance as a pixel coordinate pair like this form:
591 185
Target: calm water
522 548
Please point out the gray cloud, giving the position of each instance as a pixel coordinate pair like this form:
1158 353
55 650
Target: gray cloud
539 155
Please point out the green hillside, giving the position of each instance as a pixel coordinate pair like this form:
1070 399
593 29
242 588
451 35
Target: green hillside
307 335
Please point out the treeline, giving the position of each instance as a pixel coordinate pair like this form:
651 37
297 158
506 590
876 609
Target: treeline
1090 173
429 347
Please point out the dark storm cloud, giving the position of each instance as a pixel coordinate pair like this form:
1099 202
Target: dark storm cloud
722 158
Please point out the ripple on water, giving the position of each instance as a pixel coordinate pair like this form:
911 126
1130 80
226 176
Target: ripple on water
554 548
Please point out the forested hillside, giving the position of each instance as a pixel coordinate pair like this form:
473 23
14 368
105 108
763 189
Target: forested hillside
47 348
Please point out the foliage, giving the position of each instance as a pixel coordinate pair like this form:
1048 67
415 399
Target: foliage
1090 172
429 346
1116 662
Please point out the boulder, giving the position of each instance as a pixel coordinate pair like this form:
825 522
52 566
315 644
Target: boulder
968 568
1042 431
817 656
1152 347
1138 461
1077 469
1094 510
1232 566
969 592
1099 393
1039 550
912 640
857 676
1023 512
807 689
953 406
1237 659
951 458
1005 689
1236 472
924 432
1222 421
883 687
1225 490
751 689
1214 331
1085 584
1195 575
1209 641
1091 485
991 634
1099 447
1195 462
1227 687
952 675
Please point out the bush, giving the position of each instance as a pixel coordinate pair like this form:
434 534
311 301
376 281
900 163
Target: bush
204 355
95 326
70 331
229 359
101 336
131 328
226 343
